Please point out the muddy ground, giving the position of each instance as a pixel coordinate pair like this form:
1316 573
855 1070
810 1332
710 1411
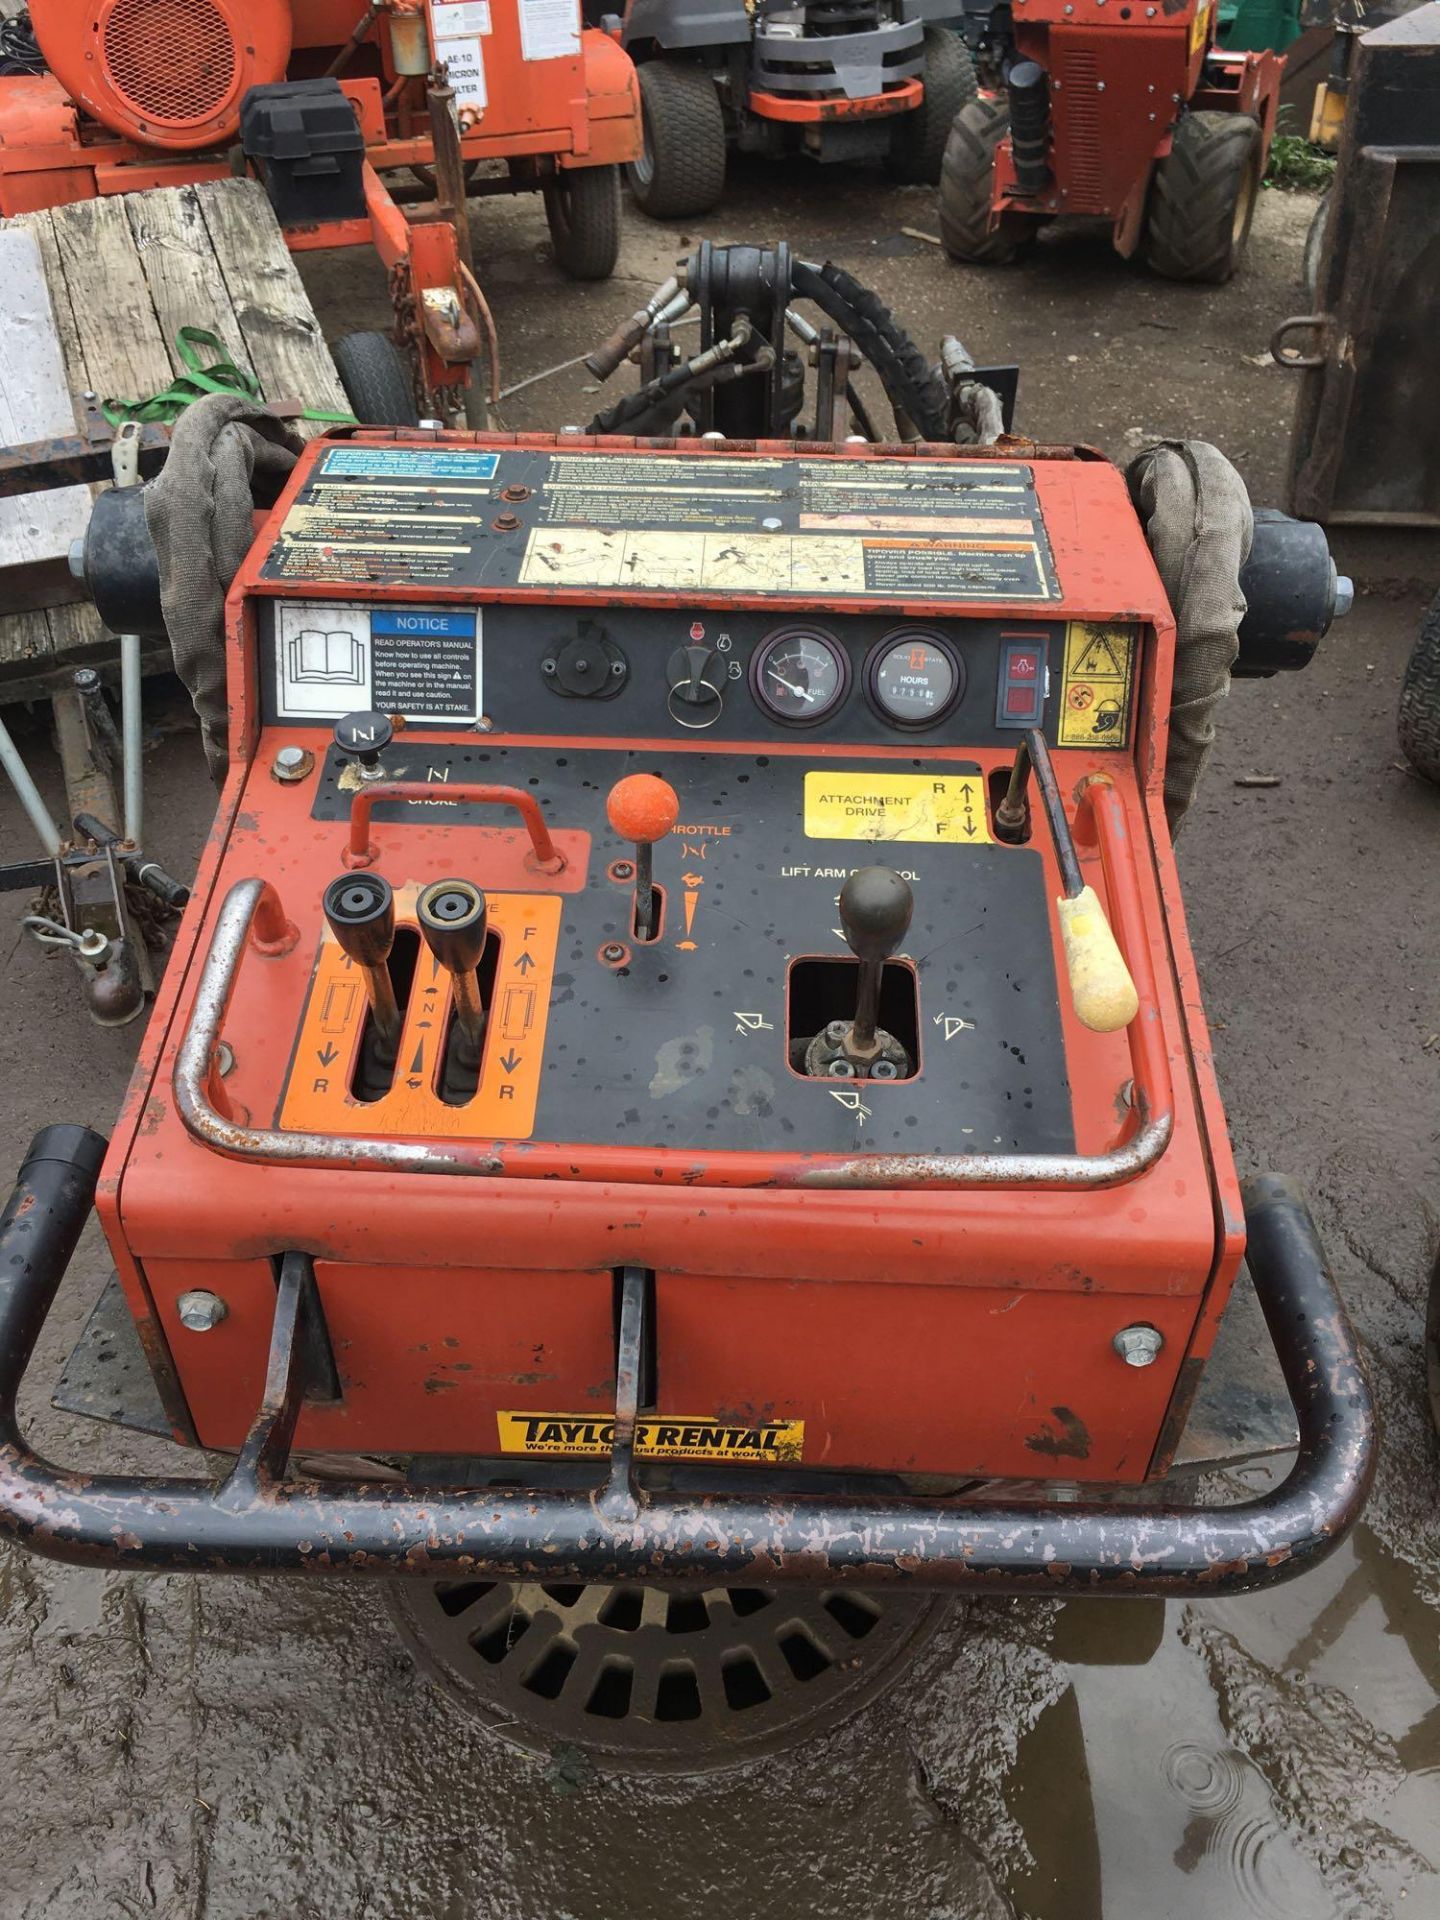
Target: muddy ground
253 1748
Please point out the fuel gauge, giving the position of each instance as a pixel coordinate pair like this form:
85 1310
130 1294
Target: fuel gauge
800 674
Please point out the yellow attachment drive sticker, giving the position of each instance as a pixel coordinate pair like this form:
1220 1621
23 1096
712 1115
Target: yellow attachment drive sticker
667 1436
1095 692
945 808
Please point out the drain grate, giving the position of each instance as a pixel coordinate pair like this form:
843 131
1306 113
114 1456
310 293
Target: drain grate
654 1680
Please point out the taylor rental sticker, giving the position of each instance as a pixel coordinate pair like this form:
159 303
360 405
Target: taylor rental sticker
657 1437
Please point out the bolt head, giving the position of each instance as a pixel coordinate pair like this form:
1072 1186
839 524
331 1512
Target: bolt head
1139 1346
201 1311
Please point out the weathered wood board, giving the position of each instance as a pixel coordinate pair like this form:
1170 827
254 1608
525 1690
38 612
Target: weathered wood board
125 273
34 405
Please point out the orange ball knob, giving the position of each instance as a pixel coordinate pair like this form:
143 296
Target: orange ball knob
642 808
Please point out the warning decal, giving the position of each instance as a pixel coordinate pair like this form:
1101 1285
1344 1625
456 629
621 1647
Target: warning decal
668 1436
1095 691
317 1095
948 808
420 662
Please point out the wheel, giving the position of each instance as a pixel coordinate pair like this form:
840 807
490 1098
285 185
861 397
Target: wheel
681 168
1203 197
1419 726
1315 247
967 183
582 206
376 379
917 144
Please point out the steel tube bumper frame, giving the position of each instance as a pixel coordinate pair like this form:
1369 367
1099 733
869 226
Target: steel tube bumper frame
256 1520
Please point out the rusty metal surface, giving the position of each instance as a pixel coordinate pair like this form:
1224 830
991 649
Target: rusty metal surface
73 460
257 1520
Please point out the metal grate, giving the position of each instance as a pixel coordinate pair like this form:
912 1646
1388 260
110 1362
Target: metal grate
1082 112
650 1680
171 60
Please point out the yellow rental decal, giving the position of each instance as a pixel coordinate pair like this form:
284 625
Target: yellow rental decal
947 809
658 1436
1095 690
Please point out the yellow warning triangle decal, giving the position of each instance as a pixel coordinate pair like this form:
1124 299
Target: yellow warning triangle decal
1099 661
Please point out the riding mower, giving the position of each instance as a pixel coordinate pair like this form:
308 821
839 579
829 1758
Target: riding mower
320 98
834 79
1128 113
679 1126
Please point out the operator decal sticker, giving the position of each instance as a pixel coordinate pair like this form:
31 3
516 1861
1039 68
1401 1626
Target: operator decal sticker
668 1436
549 29
421 662
948 808
409 463
420 1099
1095 690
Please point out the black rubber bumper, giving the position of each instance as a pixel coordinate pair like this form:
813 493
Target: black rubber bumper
258 1520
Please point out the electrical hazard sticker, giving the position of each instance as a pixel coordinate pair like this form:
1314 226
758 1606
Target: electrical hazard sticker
666 1436
944 809
1095 690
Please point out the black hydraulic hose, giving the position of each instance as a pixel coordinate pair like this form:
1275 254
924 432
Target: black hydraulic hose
251 1523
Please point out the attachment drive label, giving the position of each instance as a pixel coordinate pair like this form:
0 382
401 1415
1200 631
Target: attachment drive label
668 1436
1095 693
947 808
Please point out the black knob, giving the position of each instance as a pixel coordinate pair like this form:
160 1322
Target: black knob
363 737
452 917
875 909
696 675
360 911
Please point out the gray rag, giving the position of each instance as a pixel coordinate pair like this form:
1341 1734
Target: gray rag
227 456
1196 514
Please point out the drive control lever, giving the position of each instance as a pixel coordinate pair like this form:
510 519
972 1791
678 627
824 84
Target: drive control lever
642 809
453 920
875 908
360 912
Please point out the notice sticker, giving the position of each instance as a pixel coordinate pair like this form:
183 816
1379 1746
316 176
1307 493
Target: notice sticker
423 663
667 1436
941 808
549 29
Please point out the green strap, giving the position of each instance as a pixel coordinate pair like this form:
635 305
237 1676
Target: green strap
221 376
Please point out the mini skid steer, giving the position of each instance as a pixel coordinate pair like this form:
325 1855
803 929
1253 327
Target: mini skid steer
679 1125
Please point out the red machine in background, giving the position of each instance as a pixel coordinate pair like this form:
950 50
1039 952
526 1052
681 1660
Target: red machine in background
323 96
1126 112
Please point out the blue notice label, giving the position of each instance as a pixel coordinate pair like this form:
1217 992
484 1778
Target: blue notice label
409 463
418 621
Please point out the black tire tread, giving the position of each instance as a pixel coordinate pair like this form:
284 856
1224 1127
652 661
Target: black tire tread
685 128
1192 201
967 179
1419 721
917 145
376 379
584 219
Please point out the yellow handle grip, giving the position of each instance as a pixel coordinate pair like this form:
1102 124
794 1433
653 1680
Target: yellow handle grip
1101 989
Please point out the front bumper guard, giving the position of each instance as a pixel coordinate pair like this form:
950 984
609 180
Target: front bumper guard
256 1520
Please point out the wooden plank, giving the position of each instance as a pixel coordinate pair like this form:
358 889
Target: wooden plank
282 337
177 259
34 405
119 336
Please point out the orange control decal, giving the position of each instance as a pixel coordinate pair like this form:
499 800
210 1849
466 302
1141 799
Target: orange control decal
317 1096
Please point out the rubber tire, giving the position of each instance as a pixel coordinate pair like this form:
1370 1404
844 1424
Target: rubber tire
376 379
582 208
918 140
683 169
1419 723
967 184
1203 198
1315 247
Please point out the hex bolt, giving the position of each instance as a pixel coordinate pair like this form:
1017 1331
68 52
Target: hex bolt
200 1310
1139 1346
291 764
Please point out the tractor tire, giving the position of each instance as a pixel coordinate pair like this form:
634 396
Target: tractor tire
376 379
967 182
1419 725
1315 247
1203 198
582 209
917 143
681 169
